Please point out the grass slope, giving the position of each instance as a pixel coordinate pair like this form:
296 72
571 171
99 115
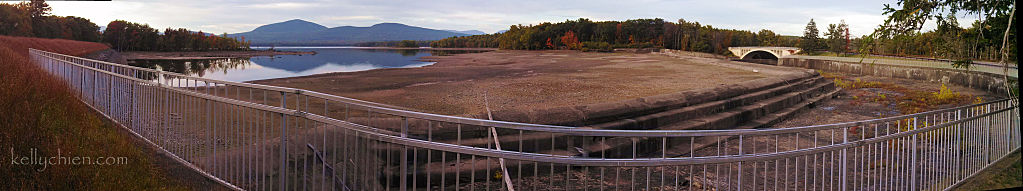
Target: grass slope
38 112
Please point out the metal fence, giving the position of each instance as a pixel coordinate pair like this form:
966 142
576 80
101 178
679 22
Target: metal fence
258 137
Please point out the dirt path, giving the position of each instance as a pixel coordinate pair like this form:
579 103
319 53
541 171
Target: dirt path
528 80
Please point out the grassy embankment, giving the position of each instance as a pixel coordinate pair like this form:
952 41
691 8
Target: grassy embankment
38 112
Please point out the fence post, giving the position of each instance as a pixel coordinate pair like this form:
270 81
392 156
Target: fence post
284 142
404 155
739 181
845 167
81 82
987 135
95 81
913 169
958 141
110 95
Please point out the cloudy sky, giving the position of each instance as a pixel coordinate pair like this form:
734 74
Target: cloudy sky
787 17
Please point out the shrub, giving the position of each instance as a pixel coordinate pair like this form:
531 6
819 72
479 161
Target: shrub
597 46
945 94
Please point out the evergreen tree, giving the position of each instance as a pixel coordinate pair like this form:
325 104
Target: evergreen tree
810 41
39 9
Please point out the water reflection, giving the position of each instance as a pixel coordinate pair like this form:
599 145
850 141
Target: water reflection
194 67
326 60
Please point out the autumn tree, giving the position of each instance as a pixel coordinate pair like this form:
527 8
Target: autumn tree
571 41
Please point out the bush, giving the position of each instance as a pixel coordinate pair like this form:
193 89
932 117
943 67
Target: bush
597 46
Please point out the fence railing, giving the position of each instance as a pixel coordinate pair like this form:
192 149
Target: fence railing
986 67
258 137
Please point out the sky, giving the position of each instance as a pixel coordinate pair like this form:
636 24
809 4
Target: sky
787 17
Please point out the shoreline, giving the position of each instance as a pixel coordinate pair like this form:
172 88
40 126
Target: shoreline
367 47
193 55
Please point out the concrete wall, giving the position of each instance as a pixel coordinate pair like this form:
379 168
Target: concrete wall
679 53
973 79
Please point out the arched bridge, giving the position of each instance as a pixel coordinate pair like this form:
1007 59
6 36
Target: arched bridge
762 52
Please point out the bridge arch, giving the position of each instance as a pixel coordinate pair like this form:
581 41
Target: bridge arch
760 51
760 54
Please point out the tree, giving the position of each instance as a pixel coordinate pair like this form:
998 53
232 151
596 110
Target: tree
913 14
836 37
15 20
810 41
768 38
571 41
42 25
81 29
39 9
635 33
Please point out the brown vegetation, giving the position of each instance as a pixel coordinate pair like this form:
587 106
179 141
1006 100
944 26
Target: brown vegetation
39 112
906 99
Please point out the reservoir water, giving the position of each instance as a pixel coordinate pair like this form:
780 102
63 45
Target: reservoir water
326 60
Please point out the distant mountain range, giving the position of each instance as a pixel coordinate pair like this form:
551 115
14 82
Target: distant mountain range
301 32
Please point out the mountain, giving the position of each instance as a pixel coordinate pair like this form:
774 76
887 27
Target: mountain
468 32
300 32
294 25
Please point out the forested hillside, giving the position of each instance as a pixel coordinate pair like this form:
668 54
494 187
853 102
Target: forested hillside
33 19
637 33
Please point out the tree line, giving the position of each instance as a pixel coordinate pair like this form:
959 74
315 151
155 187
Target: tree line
901 34
583 34
836 38
123 35
402 44
32 19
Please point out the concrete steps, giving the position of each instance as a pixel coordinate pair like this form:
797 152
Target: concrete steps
762 113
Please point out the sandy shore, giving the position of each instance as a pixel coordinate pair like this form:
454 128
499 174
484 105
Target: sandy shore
182 55
529 80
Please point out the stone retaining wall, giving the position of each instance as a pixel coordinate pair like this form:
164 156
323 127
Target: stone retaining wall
973 79
680 53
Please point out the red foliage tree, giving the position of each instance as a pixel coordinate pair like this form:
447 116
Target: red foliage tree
571 41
